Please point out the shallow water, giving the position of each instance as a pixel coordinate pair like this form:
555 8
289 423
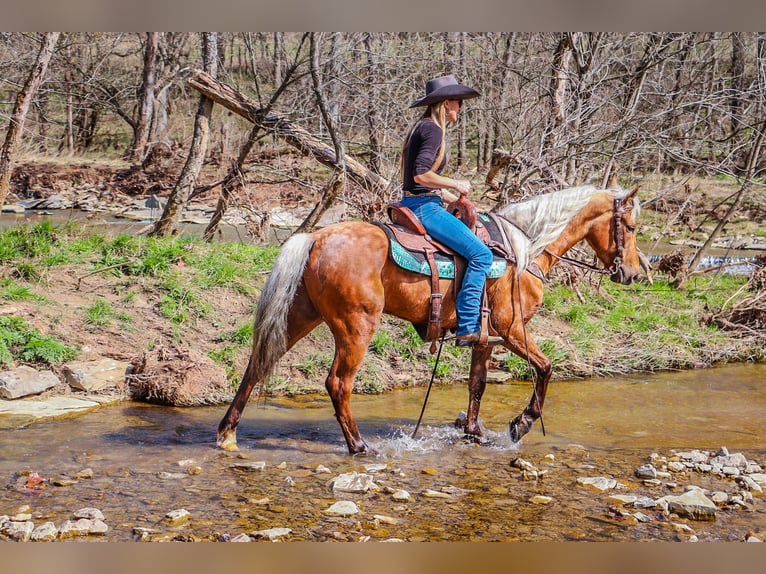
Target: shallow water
134 451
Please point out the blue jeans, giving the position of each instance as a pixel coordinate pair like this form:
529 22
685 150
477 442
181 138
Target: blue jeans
449 230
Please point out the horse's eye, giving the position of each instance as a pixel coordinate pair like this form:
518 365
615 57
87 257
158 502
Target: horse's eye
630 228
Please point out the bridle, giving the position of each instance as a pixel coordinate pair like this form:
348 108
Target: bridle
619 240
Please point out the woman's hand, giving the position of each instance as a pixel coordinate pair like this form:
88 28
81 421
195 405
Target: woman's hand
462 186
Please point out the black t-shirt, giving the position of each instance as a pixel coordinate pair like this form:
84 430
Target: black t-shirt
420 154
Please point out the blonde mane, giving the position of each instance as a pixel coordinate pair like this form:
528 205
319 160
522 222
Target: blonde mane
532 224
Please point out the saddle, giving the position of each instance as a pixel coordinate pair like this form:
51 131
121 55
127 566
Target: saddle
407 232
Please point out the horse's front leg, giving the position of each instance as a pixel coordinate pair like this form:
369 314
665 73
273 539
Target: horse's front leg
477 383
521 425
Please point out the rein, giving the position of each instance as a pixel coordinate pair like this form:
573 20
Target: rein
619 235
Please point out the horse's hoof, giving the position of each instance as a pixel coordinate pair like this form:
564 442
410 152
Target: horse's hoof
479 439
517 428
228 442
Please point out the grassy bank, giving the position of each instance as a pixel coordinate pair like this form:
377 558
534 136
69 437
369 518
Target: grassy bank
70 294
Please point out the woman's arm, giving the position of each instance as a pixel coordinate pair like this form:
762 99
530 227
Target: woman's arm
436 181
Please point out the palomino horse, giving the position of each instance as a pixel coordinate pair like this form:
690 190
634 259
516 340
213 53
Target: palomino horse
342 275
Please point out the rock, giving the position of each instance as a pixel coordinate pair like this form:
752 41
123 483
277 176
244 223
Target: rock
85 473
24 381
675 466
541 499
401 495
342 508
271 533
375 467
257 465
353 482
19 531
696 456
758 477
386 519
45 533
94 376
749 484
719 497
429 493
82 527
179 516
599 483
322 469
622 499
241 538
692 504
13 208
646 471
737 460
92 513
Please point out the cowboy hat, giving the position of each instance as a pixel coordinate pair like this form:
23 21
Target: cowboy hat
445 88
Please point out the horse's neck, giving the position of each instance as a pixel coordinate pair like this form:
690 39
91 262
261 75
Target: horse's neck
573 233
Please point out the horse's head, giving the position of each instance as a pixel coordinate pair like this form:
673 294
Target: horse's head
613 238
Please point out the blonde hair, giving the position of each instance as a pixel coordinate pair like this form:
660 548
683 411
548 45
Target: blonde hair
438 114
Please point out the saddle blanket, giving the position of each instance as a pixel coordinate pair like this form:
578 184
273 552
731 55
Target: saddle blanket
416 262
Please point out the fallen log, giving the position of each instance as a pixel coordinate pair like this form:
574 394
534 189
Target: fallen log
296 136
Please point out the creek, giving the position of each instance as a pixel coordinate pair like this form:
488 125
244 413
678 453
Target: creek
148 460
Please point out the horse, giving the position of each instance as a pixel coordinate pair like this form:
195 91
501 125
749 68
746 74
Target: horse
342 275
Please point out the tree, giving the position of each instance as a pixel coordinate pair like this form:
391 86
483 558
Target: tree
171 215
21 108
145 99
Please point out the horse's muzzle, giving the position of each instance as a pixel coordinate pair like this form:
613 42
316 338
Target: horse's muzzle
624 275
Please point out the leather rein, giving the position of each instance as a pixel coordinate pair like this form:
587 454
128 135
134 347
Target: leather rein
619 240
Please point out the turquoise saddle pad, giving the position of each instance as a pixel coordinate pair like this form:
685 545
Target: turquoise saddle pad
417 263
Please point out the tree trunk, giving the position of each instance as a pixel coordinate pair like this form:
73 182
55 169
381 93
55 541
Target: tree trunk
374 122
142 130
171 216
20 109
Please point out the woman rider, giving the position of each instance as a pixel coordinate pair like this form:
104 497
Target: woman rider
424 157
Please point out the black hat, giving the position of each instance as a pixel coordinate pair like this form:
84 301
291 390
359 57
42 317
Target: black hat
445 88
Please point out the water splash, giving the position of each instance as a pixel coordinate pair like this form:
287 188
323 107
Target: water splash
436 439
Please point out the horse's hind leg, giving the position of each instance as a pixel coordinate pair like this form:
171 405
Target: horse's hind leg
301 320
351 343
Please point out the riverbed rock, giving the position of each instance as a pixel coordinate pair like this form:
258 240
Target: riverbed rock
95 376
342 508
748 483
82 527
271 533
91 513
46 532
692 504
178 516
736 460
19 531
24 381
598 483
646 471
354 482
401 495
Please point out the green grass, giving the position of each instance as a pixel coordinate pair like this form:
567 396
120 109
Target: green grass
20 342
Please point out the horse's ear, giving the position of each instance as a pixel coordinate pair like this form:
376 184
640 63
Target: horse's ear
612 182
628 199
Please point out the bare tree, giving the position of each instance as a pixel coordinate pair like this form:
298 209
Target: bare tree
146 97
171 215
21 108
